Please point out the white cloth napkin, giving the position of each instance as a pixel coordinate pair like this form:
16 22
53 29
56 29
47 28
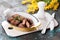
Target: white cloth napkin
45 17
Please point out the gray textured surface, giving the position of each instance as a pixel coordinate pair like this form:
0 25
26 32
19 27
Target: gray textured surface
50 35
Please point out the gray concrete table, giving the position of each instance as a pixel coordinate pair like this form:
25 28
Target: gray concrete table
50 35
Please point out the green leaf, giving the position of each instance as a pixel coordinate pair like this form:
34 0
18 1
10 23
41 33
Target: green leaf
39 0
47 1
59 1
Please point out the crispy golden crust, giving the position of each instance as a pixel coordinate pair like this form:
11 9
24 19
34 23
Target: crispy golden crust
24 29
